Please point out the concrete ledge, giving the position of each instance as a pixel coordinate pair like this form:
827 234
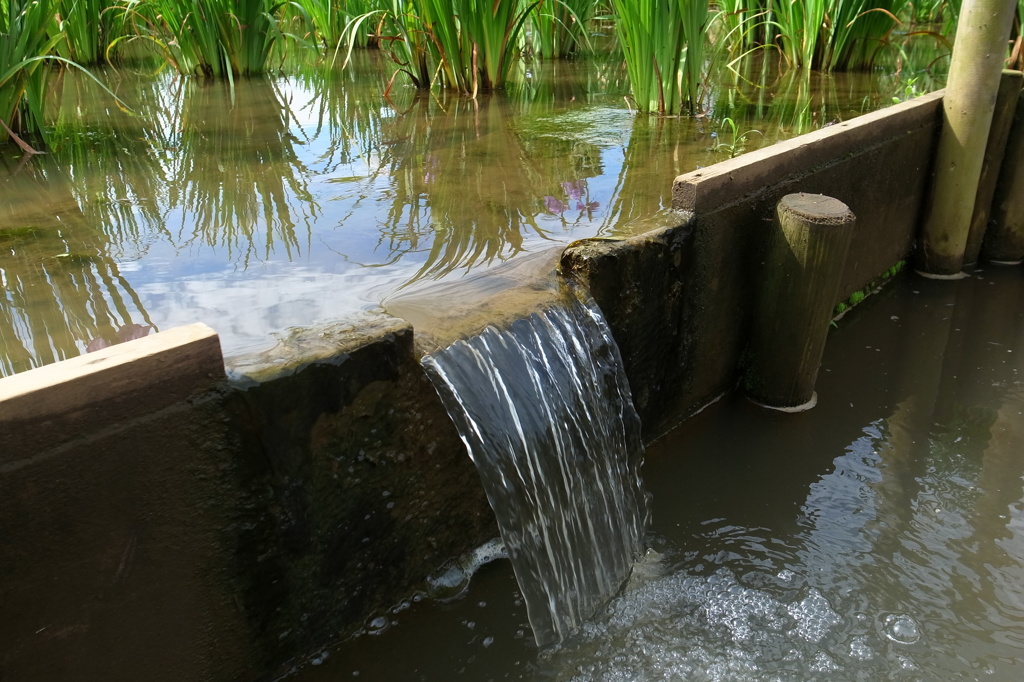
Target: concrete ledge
709 189
48 406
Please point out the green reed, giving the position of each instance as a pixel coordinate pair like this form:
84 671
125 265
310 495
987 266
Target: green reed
560 27
329 19
833 34
89 27
663 42
462 45
216 38
28 38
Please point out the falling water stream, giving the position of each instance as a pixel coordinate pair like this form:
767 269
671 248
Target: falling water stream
546 414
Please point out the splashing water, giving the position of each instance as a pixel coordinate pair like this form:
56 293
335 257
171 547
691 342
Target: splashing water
546 414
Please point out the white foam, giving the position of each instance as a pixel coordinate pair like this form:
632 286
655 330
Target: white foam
453 579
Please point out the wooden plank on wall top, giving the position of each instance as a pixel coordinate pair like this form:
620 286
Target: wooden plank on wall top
49 405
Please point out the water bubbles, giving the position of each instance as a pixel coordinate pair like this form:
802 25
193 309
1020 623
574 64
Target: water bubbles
823 663
860 649
488 641
378 625
901 628
453 579
814 616
318 660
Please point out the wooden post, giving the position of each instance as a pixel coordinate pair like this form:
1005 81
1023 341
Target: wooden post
802 271
1004 241
1002 119
980 48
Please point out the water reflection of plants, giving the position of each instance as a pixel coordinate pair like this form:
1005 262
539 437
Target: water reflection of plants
760 93
237 180
61 291
456 199
187 173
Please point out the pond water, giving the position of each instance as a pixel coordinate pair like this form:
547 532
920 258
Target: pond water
878 536
292 200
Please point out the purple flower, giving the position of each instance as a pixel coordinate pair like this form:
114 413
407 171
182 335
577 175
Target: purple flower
573 189
430 169
580 206
553 205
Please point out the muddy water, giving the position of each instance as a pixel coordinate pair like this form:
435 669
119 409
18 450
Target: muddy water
877 536
288 201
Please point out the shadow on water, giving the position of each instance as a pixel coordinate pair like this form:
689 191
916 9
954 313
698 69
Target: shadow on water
877 536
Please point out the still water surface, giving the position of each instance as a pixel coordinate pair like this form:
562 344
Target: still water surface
878 536
289 201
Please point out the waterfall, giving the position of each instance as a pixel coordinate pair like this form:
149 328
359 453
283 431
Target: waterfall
546 414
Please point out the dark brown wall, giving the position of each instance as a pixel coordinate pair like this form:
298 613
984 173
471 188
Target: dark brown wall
214 530
361 486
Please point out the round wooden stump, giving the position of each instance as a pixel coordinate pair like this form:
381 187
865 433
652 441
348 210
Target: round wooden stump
800 282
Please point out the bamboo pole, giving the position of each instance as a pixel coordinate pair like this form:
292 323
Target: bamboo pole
804 265
980 48
1004 241
1010 84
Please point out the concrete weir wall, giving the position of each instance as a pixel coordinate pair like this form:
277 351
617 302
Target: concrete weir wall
162 521
679 299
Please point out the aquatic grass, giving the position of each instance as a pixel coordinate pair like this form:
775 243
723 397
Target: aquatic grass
28 39
861 29
833 34
217 38
328 19
663 44
494 35
1016 59
463 45
560 27
745 24
90 26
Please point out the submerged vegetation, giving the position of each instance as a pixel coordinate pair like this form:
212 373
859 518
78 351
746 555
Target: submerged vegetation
669 48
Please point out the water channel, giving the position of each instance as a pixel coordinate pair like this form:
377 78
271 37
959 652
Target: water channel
878 536
286 201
